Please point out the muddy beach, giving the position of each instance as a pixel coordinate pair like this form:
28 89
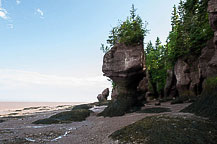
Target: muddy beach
94 130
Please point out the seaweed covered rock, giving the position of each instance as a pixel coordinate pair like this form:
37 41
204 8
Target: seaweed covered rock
66 117
155 110
167 130
206 105
82 106
124 64
114 94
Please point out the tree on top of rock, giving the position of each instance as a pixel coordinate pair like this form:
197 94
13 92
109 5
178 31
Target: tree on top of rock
131 31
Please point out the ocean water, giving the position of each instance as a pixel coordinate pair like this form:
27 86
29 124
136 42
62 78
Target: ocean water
11 107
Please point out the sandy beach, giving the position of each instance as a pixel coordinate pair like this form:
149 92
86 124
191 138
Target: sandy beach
94 130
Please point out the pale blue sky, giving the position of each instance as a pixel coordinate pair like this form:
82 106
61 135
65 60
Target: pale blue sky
50 49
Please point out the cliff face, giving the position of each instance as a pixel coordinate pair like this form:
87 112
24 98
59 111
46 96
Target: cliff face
190 73
125 65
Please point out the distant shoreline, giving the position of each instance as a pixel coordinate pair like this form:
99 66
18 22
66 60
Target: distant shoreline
22 108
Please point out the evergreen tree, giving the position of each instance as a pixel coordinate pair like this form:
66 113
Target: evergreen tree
133 12
155 63
130 32
175 18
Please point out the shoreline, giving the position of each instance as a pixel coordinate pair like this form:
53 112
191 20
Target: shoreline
27 108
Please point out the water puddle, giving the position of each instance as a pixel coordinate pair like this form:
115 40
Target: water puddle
54 139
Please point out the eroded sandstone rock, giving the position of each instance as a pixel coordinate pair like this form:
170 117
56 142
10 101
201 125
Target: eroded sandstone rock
170 87
187 76
104 95
182 73
212 10
206 55
114 94
124 64
212 65
143 85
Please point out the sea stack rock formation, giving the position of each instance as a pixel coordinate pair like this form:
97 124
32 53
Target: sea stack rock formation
103 97
124 64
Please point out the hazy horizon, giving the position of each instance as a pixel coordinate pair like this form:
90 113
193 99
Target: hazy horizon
50 49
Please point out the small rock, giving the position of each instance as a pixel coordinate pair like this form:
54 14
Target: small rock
103 96
157 103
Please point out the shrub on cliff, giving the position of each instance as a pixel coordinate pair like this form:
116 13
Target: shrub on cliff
190 30
131 31
206 105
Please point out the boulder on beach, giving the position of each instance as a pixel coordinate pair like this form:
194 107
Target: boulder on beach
104 96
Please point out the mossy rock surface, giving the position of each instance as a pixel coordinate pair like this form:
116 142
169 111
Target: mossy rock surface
31 108
206 105
119 108
14 141
82 106
167 130
165 99
155 110
66 117
16 117
91 105
103 103
180 100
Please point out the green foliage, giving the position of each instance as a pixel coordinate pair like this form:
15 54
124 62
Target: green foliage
210 83
113 83
131 31
190 30
155 63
